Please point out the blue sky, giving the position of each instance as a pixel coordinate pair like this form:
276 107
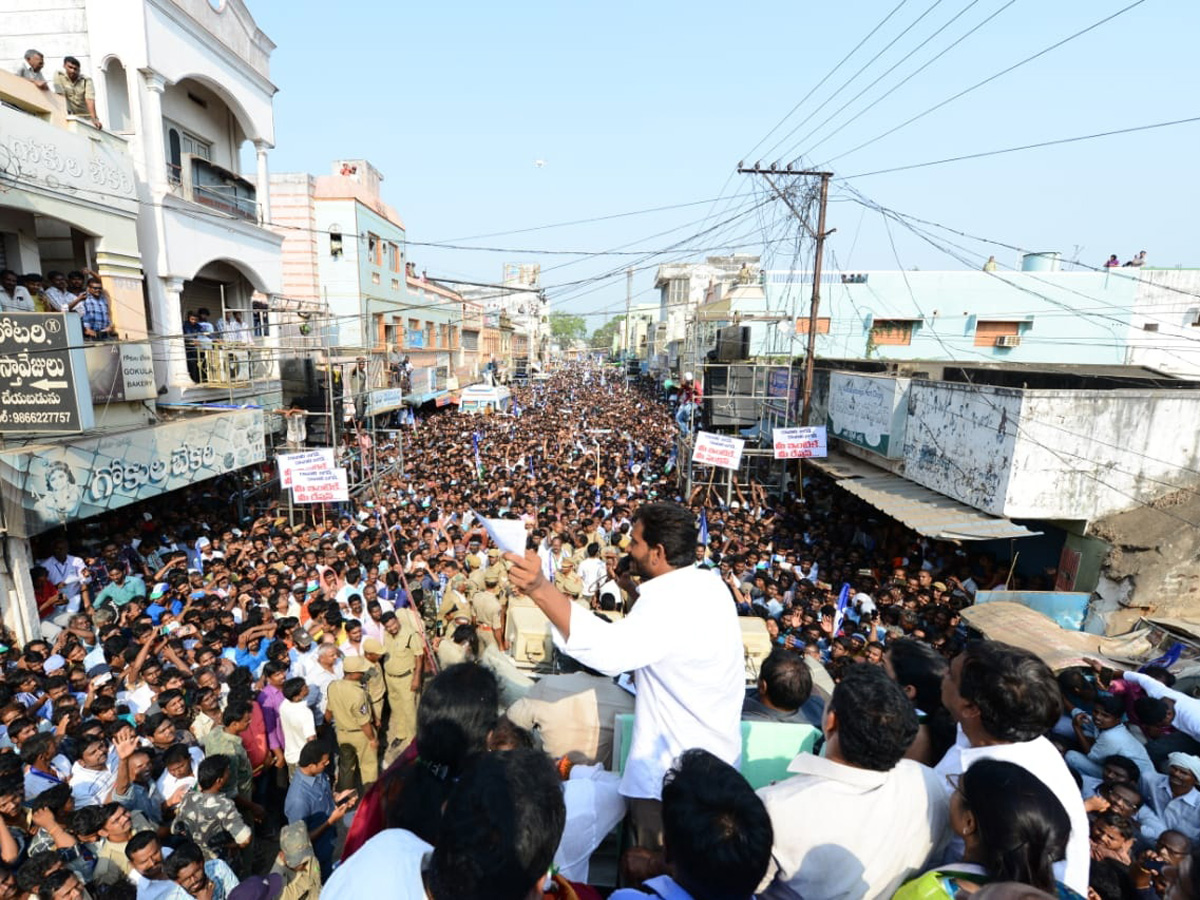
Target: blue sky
641 105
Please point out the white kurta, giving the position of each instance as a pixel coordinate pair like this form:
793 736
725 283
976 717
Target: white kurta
683 642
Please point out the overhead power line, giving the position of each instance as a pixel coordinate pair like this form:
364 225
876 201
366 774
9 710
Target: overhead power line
989 79
1039 144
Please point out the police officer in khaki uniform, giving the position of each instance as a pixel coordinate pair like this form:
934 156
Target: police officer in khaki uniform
489 613
374 681
497 564
350 709
402 672
569 583
454 603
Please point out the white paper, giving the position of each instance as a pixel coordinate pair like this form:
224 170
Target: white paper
507 534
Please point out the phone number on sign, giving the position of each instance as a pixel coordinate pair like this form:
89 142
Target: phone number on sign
35 418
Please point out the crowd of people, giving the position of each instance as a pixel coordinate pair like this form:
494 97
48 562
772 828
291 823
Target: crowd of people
258 708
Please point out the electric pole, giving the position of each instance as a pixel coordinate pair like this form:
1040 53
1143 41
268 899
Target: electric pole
819 237
628 306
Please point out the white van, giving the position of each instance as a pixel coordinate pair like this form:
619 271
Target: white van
480 398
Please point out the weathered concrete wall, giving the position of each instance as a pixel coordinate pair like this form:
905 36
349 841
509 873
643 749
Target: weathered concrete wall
1088 454
960 440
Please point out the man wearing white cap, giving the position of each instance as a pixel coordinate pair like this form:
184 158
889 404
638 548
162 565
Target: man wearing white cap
690 394
1174 797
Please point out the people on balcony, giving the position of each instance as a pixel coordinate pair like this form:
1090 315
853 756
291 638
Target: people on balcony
57 294
78 90
191 344
95 312
30 68
13 295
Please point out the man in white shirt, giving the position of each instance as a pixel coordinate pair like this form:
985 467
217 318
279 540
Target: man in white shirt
682 641
882 817
68 573
1005 700
297 720
592 571
13 296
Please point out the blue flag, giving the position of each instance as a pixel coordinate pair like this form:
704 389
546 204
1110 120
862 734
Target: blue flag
843 602
478 462
1167 660
531 475
704 527
671 460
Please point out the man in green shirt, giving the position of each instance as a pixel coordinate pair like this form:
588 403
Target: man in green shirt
225 739
121 588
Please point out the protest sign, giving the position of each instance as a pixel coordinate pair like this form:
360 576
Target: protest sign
801 443
321 486
309 460
718 450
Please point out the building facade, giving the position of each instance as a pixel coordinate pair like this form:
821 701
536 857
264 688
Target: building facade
1119 316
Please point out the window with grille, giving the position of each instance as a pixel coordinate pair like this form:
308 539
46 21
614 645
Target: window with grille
892 332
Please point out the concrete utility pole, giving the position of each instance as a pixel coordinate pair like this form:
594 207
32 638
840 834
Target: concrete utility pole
819 237
628 306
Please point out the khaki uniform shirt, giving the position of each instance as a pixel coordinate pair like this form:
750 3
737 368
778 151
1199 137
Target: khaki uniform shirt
403 649
454 604
488 611
573 715
76 92
349 705
571 585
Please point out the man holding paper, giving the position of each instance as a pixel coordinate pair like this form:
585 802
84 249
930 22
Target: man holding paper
681 640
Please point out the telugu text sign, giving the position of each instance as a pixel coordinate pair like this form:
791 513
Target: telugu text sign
52 484
718 450
801 443
39 355
320 459
327 486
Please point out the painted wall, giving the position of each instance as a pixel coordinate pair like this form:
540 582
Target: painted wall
949 305
959 441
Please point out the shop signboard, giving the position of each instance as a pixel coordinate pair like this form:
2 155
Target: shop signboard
869 411
48 485
121 371
40 354
384 400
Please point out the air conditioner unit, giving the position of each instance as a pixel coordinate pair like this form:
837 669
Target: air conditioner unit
1008 340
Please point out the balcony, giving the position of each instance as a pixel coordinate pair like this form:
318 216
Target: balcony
230 364
199 181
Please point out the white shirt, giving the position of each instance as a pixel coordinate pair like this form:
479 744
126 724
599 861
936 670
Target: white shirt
91 787
1179 813
387 867
18 301
843 832
60 299
592 571
682 639
1187 709
1040 758
68 576
594 807
296 719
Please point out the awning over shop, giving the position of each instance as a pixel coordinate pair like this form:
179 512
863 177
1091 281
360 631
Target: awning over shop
929 512
419 399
